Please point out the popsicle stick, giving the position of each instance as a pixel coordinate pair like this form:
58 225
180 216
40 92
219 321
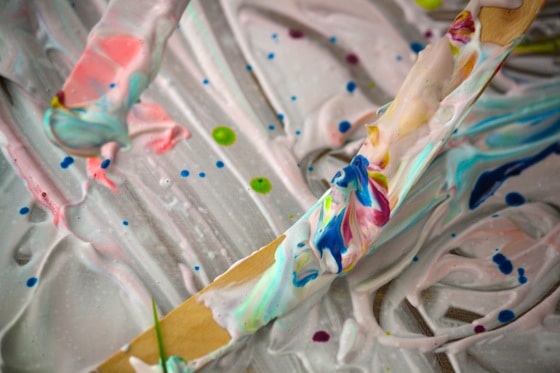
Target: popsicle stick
190 330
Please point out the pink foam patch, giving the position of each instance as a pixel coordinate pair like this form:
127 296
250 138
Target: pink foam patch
95 171
122 49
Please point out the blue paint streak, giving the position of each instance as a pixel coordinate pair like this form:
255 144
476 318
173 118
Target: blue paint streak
522 278
301 282
66 162
490 181
356 176
330 238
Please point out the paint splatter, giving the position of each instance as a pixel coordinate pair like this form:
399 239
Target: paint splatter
515 199
351 86
504 264
321 336
261 185
479 329
224 135
105 164
67 162
522 278
296 34
429 4
220 164
31 281
125 223
344 126
352 59
24 210
506 316
185 173
417 47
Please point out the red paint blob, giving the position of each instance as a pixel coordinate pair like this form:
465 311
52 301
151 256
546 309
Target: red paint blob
479 329
296 34
60 96
428 34
321 336
352 59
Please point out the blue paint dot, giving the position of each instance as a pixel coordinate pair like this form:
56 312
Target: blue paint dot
202 174
415 258
293 98
522 278
506 316
66 162
398 57
351 86
298 132
281 116
515 199
112 85
205 82
24 210
125 222
495 216
310 168
504 264
270 56
275 36
197 268
453 235
185 173
332 39
220 164
249 68
31 281
301 244
417 47
344 126
105 163
271 127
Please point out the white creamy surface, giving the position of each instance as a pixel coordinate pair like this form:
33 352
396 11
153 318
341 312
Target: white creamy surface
413 304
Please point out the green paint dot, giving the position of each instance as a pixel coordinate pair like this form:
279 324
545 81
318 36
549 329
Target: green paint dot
261 185
429 4
224 135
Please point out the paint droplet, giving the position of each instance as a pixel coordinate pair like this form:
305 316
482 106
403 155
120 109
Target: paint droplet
24 210
270 56
522 278
479 329
321 336
453 235
66 162
220 164
344 126
31 281
351 86
105 164
504 264
202 175
296 34
415 258
417 47
271 127
224 135
249 68
261 185
196 268
506 316
112 85
352 59
281 116
332 39
205 82
185 173
398 57
429 4
125 222
298 132
515 199
293 98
